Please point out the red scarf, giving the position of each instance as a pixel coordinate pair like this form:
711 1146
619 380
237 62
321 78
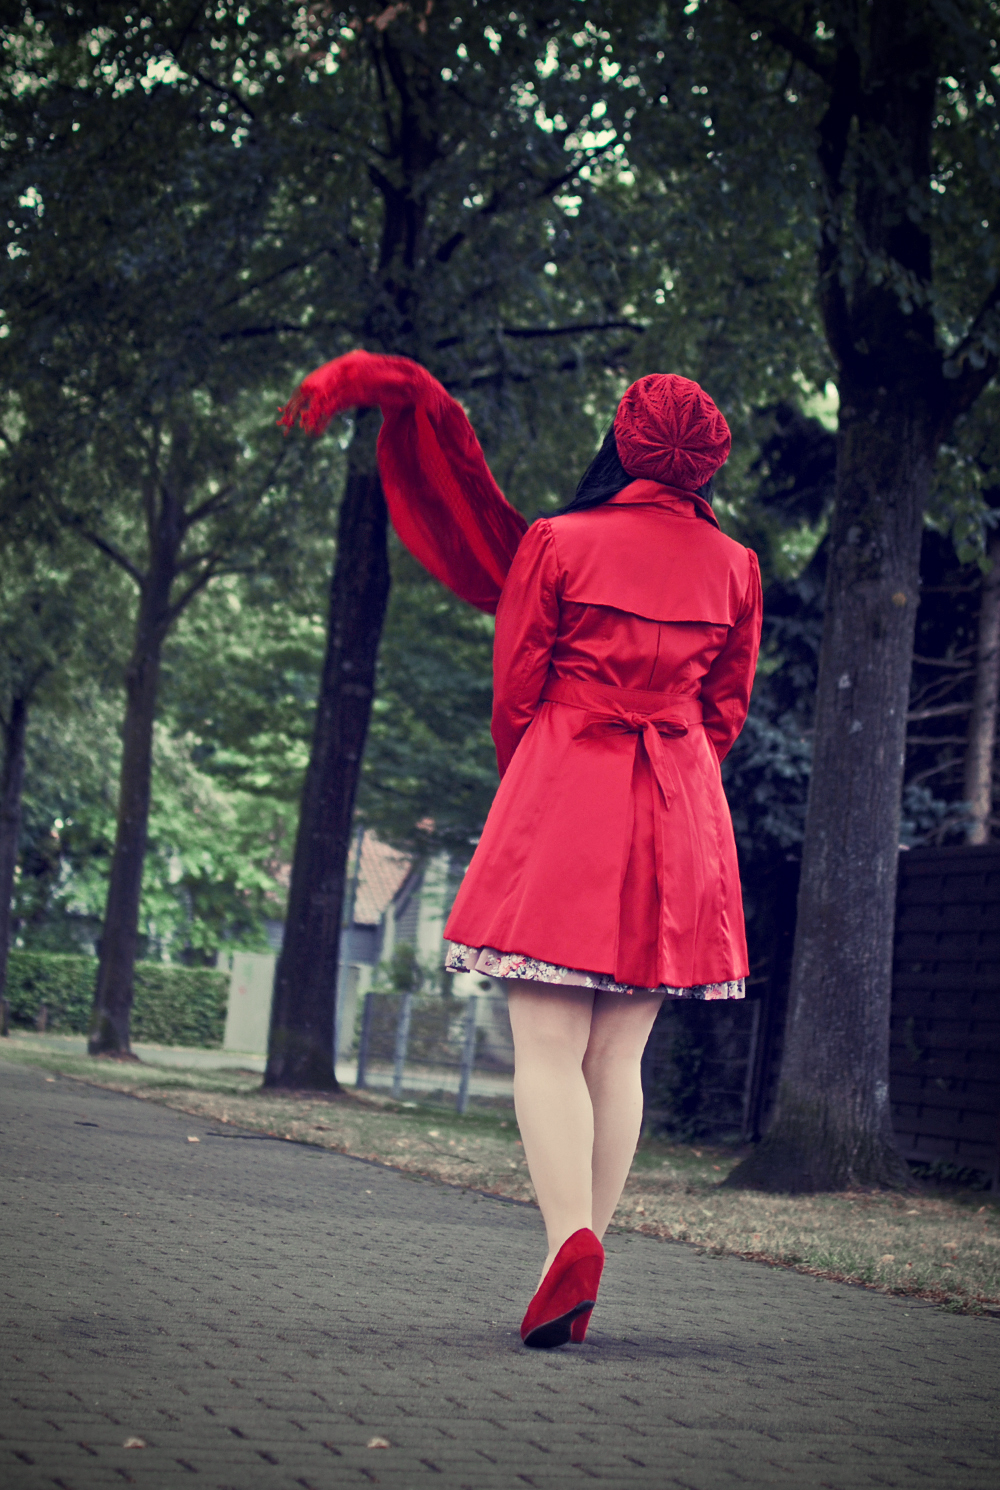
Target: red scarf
443 501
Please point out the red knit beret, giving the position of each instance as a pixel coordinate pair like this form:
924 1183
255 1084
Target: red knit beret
668 429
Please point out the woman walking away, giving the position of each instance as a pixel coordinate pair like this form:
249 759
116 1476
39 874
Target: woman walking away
606 877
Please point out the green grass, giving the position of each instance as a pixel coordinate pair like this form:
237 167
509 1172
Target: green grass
937 1243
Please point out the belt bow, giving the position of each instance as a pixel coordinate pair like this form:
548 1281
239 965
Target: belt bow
613 711
654 729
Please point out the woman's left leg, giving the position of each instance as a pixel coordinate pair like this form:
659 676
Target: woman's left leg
620 1025
551 1026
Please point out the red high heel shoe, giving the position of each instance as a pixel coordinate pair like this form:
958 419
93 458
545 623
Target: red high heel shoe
566 1294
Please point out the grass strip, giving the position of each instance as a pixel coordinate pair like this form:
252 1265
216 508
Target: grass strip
936 1243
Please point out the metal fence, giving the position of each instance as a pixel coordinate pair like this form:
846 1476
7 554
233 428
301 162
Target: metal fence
401 1033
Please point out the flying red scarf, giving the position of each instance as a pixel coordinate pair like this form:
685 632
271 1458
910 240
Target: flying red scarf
443 501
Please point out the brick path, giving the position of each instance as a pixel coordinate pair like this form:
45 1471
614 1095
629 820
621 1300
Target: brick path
257 1312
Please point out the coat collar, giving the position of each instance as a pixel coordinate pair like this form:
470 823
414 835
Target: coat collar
670 499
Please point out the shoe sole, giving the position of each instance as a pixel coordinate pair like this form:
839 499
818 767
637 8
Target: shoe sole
557 1331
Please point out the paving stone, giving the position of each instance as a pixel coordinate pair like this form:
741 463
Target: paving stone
257 1311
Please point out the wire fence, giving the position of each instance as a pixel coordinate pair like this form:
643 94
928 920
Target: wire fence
448 1037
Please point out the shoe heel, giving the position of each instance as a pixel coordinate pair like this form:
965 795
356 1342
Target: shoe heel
578 1329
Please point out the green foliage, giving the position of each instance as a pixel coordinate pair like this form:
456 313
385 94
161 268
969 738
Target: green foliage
55 619
173 1005
429 771
210 868
212 853
136 240
179 1005
966 500
62 982
240 676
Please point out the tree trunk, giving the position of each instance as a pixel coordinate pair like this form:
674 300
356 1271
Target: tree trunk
300 1051
832 1126
983 720
109 1021
15 730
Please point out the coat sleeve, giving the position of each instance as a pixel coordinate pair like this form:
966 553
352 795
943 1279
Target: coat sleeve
527 622
726 688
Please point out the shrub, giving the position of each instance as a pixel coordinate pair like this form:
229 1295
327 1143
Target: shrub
64 983
179 1005
173 1005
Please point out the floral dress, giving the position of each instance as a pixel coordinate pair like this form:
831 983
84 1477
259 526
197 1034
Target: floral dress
513 965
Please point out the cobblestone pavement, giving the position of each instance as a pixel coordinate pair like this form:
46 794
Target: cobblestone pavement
259 1314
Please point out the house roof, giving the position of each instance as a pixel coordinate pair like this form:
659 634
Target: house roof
383 870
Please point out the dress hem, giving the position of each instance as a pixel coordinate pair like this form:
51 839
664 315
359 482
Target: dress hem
515 966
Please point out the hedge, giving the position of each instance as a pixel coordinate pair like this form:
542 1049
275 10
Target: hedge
173 1005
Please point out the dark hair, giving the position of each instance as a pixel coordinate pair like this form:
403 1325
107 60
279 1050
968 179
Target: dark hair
606 476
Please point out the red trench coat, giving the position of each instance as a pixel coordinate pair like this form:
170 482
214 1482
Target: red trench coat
626 642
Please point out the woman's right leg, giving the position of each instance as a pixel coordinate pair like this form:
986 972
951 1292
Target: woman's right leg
551 1029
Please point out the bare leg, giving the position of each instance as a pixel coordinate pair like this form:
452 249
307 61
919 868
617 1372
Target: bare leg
620 1027
552 1027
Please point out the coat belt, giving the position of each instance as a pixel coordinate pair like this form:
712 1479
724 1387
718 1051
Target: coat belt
633 711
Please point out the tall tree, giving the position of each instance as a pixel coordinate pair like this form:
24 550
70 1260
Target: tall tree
205 512
300 1048
901 151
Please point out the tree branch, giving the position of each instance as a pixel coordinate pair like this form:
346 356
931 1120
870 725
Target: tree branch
842 75
449 246
116 555
194 588
783 36
964 667
497 201
612 358
951 765
206 556
938 712
251 287
212 504
963 378
936 740
531 332
282 328
229 93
